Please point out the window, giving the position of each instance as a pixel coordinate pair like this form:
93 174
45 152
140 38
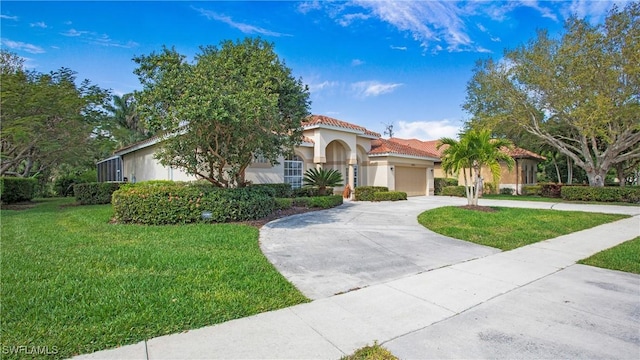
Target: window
110 169
355 175
293 171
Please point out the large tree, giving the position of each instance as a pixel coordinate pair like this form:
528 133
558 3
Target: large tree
47 119
232 103
475 150
579 93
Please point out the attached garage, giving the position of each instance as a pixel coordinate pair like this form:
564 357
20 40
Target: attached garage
412 180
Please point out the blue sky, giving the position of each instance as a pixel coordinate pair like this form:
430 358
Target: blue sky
367 62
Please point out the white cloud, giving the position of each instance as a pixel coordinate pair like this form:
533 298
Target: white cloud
74 33
427 130
347 19
307 6
244 28
365 89
595 11
18 45
39 24
429 22
316 87
8 17
105 40
403 48
356 62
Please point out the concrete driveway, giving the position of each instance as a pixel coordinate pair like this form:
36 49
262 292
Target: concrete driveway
360 244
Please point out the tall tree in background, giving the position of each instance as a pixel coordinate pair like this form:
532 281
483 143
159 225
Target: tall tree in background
216 113
580 94
125 125
46 119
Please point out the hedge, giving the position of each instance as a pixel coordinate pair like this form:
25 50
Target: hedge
630 194
324 202
280 190
389 196
181 204
441 183
95 193
16 189
365 193
454 191
310 191
550 190
532 190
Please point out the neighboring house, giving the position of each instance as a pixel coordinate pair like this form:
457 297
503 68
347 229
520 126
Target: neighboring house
360 155
522 174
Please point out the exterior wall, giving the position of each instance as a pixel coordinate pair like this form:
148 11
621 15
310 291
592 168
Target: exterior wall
265 173
523 173
382 171
141 166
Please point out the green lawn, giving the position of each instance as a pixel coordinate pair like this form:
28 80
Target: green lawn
509 228
75 284
371 352
547 199
624 257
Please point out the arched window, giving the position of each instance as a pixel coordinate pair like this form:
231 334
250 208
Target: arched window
293 171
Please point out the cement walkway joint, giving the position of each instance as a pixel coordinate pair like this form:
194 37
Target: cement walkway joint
530 302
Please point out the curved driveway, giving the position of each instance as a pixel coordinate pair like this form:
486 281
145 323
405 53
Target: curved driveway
358 244
361 243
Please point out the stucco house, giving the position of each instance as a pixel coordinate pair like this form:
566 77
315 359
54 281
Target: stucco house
522 174
361 155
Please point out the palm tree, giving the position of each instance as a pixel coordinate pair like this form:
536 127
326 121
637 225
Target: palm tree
127 127
475 149
322 178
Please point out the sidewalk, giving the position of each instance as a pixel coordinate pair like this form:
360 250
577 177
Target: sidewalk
527 303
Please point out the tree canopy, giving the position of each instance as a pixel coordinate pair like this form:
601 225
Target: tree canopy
579 93
46 119
232 103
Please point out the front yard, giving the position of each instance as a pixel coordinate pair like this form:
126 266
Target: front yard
73 283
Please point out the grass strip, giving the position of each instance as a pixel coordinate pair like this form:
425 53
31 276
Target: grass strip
73 283
624 257
371 352
509 228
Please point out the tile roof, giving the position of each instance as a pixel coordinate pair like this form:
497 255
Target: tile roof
431 146
383 146
315 120
428 146
308 140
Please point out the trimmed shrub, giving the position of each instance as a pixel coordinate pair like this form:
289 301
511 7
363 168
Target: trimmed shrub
181 204
630 194
389 196
532 190
280 190
16 189
550 190
440 183
506 191
284 203
365 193
325 202
454 191
310 191
63 186
95 193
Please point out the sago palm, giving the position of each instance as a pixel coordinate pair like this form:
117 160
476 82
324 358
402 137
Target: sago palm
322 178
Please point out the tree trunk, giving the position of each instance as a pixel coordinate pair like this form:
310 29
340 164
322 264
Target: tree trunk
569 171
555 164
620 174
596 177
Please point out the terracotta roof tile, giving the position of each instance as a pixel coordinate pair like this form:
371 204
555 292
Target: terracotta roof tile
383 146
431 147
308 140
325 120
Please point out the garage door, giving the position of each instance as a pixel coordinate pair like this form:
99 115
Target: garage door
411 180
